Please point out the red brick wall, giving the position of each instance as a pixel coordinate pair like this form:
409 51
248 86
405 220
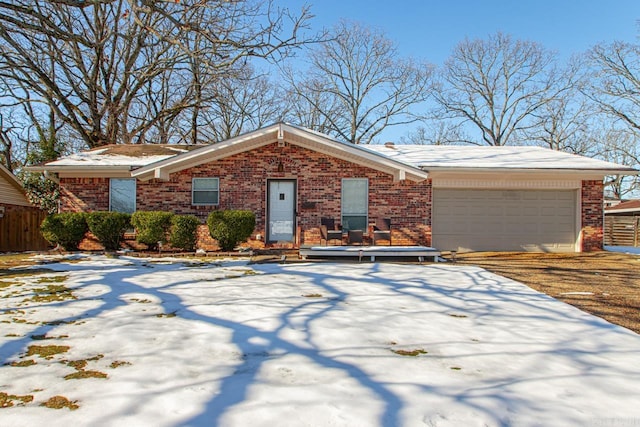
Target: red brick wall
243 185
592 232
84 194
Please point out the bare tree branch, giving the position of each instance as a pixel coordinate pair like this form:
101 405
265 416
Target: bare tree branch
359 85
497 85
94 62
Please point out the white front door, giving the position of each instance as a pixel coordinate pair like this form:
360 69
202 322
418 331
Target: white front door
281 211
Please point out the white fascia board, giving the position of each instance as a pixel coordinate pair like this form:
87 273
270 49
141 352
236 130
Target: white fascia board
270 135
615 211
195 157
352 153
564 171
80 171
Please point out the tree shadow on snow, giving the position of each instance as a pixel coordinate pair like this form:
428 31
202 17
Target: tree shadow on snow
479 296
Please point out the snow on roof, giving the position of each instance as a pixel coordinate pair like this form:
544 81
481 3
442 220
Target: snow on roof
427 157
478 157
122 155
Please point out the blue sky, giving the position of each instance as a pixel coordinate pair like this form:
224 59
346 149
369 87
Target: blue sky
428 29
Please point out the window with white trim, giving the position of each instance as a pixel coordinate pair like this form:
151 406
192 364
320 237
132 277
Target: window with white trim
355 203
205 191
122 195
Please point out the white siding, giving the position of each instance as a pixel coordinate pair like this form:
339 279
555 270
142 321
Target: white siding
10 195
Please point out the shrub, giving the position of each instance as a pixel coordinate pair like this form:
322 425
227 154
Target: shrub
64 229
183 232
109 227
151 227
231 227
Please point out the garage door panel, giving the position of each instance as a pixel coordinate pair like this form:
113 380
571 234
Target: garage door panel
504 220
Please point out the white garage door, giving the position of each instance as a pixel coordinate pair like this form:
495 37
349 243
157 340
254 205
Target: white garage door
504 220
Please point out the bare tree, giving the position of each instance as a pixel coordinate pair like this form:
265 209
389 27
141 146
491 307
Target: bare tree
615 82
94 62
304 111
619 145
614 87
244 101
358 83
565 122
496 86
435 132
6 143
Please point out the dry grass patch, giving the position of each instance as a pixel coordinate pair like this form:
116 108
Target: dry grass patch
7 400
85 374
45 337
54 292
117 363
23 363
46 351
79 366
606 284
15 260
8 264
172 314
60 402
412 353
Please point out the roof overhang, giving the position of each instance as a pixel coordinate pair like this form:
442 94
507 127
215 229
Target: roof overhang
13 181
595 173
94 171
11 178
615 211
285 134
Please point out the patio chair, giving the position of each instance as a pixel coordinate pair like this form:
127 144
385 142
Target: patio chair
328 231
382 230
355 236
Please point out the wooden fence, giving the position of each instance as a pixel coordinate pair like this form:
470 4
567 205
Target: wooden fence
621 230
20 231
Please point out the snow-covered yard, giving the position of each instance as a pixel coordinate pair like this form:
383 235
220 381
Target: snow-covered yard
337 344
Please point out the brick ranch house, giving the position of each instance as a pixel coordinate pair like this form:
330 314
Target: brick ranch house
448 197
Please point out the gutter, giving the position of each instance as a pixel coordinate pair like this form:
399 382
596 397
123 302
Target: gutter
573 171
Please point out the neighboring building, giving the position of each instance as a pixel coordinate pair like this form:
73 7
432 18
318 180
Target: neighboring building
627 208
622 224
19 219
12 195
449 197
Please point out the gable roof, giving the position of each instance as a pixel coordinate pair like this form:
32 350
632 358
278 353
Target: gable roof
412 162
115 157
11 189
283 133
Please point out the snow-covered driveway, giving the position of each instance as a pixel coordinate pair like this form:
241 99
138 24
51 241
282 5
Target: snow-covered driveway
326 344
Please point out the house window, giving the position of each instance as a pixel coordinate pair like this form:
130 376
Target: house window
122 195
205 191
355 203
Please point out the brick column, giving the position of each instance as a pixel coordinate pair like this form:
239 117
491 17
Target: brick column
592 231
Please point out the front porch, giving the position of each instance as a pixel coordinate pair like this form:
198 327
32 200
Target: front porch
420 252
